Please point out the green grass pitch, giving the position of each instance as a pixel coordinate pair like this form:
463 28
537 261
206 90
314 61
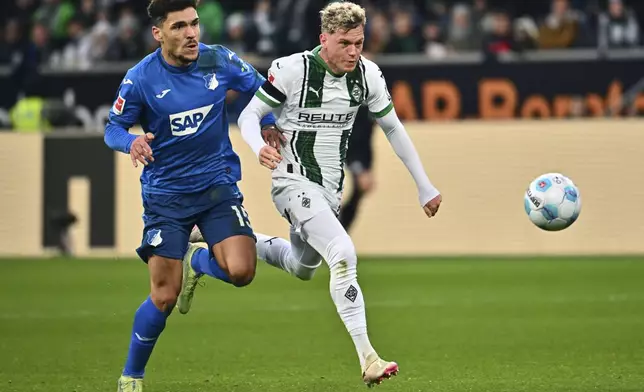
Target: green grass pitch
506 325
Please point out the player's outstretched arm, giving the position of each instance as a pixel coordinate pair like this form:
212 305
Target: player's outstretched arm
402 145
249 124
381 106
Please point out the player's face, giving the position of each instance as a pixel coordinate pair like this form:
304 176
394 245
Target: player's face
179 36
343 48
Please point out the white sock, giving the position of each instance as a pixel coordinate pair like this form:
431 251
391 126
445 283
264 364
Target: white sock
348 299
363 346
296 257
325 236
275 251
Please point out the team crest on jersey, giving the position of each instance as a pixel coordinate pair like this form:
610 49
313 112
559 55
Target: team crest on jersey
356 92
153 237
211 81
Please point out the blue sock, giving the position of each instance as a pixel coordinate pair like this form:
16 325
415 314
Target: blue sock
149 322
203 264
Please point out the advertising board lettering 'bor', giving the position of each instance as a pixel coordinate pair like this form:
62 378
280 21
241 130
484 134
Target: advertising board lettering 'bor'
436 92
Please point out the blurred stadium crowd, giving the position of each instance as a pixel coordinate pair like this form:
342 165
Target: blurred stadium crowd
79 33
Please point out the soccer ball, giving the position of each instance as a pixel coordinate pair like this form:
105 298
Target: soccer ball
552 202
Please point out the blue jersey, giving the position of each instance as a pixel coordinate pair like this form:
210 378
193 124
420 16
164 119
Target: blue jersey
185 109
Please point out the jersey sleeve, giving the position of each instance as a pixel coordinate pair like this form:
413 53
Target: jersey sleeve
125 113
128 105
245 77
378 99
247 81
273 92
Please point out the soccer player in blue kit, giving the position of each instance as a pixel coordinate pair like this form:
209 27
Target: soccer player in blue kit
190 171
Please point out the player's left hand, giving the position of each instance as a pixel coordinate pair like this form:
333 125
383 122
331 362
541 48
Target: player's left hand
273 136
140 150
431 208
365 181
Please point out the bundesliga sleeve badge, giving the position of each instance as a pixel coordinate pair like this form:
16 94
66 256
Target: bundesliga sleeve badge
119 105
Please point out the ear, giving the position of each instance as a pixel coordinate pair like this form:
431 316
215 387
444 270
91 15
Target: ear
324 39
157 34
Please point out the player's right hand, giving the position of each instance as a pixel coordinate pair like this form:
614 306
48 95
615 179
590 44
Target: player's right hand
269 157
140 150
431 208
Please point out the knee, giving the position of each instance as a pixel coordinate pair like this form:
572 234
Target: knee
241 273
304 272
165 283
164 296
341 251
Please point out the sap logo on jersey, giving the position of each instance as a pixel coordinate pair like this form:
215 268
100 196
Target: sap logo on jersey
188 122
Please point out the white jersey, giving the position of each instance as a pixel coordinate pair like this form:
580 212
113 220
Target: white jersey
316 109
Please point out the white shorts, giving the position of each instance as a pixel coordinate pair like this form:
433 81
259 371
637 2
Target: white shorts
299 201
312 212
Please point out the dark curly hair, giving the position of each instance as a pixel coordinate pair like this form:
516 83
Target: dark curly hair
158 10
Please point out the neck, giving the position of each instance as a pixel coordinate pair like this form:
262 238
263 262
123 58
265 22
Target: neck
172 60
325 57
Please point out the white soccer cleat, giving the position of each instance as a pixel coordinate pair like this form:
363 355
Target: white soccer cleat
195 235
375 370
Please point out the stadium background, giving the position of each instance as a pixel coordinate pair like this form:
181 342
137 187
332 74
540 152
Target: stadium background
493 93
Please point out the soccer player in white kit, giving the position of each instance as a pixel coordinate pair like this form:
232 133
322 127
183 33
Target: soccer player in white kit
315 96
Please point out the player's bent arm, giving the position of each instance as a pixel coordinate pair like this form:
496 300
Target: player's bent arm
249 123
268 119
246 97
123 115
404 148
118 138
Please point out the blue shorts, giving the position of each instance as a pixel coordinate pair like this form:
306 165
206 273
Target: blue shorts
169 219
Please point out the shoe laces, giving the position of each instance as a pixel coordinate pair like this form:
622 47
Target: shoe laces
196 282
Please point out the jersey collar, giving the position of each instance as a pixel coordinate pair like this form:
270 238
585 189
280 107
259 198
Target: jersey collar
175 69
320 60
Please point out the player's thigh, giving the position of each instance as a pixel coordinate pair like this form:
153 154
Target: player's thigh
306 207
299 202
328 237
237 255
229 234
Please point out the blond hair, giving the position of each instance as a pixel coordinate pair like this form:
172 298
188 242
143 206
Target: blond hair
342 16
